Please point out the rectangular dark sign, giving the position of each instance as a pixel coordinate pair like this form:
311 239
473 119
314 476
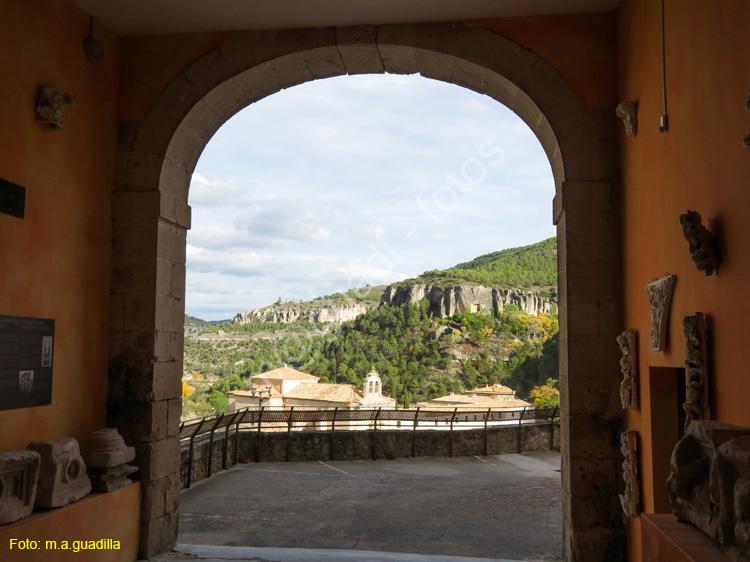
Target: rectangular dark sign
27 348
12 198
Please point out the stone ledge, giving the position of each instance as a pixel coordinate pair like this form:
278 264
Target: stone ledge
665 539
97 516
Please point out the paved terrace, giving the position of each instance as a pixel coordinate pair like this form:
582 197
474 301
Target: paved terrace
425 509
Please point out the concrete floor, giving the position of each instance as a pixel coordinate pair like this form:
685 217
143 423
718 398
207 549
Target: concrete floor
426 509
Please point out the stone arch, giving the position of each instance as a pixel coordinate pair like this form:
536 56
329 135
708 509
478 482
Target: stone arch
156 159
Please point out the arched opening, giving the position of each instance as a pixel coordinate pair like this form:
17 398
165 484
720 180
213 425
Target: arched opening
151 216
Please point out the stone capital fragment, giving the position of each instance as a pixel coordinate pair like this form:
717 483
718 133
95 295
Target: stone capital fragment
19 471
62 472
106 448
710 484
107 456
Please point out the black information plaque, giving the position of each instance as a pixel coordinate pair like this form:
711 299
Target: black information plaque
26 353
12 198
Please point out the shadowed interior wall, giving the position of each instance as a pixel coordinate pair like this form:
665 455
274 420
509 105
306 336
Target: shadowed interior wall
698 164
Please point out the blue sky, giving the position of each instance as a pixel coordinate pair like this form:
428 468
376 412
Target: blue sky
356 180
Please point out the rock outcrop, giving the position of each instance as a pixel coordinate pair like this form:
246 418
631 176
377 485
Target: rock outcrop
444 302
290 313
447 301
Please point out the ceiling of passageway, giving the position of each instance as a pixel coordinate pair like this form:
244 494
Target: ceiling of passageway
143 17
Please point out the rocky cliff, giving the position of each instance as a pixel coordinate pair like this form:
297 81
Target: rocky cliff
444 302
288 313
447 301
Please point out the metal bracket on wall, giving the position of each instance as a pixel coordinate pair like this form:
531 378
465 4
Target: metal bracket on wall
12 198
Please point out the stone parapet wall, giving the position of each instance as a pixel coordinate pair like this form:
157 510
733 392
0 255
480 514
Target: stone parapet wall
361 445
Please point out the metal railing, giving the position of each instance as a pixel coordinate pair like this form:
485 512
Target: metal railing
350 420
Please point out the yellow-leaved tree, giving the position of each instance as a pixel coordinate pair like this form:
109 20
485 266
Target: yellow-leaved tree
187 390
545 396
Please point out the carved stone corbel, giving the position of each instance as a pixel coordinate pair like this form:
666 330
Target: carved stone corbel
50 104
627 111
660 299
696 368
703 251
630 499
629 366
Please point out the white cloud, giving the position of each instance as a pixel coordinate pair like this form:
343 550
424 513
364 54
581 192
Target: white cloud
314 190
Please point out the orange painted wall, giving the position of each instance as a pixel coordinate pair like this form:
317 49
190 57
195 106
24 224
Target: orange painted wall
699 164
149 63
583 48
55 262
93 518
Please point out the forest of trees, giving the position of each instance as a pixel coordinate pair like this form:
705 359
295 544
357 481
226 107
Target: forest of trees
530 267
417 356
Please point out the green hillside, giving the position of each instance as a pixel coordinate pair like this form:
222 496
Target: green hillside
529 267
417 356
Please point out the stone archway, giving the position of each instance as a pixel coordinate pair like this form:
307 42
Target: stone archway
150 218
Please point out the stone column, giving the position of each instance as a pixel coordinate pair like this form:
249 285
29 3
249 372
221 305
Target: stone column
146 349
587 218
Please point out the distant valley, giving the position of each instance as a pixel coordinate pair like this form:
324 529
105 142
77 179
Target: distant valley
490 320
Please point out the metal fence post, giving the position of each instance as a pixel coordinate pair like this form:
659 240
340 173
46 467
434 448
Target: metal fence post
237 436
333 432
453 418
552 429
191 453
226 441
414 435
375 432
486 419
518 437
257 440
211 446
289 433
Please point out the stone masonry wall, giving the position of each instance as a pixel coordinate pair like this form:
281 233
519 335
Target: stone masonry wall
361 445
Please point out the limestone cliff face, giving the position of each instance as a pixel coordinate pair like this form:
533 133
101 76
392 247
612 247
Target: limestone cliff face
291 313
446 301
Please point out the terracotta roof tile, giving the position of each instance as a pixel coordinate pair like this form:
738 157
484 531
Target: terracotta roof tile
284 374
344 393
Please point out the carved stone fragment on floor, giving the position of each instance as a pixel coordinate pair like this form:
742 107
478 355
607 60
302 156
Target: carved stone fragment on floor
733 466
709 485
50 104
660 300
19 471
62 472
106 457
629 366
696 368
630 499
703 252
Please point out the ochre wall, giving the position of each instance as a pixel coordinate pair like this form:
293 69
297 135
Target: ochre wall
93 518
149 63
55 262
699 164
582 47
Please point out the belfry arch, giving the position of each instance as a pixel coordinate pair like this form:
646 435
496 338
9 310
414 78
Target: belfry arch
156 158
